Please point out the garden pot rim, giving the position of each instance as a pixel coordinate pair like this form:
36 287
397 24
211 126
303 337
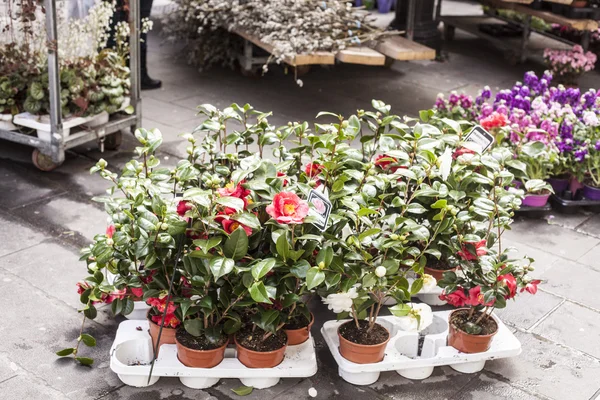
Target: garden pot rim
310 324
201 351
261 352
539 194
591 186
470 334
364 345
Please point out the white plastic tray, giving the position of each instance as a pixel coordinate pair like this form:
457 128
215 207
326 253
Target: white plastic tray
131 354
6 122
41 123
402 349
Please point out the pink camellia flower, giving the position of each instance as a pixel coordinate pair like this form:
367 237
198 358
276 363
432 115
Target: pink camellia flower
531 287
282 175
230 226
183 207
82 287
456 298
480 250
288 208
511 284
117 294
110 231
234 190
313 169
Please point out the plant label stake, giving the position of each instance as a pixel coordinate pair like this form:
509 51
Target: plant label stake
320 209
164 316
482 138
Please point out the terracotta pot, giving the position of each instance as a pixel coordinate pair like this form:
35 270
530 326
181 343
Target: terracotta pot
300 335
362 353
579 3
166 337
438 274
466 342
259 359
200 358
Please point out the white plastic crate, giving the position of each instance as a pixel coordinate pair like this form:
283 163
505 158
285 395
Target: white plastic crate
41 123
131 354
401 353
6 122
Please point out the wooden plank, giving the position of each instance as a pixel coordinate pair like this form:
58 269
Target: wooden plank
360 55
318 57
400 48
518 1
578 24
560 1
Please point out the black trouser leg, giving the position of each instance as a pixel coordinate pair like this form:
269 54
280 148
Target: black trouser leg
145 9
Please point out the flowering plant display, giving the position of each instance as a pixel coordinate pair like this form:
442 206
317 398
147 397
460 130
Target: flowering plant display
564 120
568 65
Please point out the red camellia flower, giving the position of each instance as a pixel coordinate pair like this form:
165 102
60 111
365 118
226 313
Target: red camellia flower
182 207
313 169
282 175
476 298
224 214
385 162
480 250
117 294
461 151
230 226
511 284
171 320
160 304
234 190
110 231
456 298
137 292
531 287
82 287
495 120
288 208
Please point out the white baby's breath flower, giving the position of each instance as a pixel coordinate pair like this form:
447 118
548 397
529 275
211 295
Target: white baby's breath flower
341 302
418 318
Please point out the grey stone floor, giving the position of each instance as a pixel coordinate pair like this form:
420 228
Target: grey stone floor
46 217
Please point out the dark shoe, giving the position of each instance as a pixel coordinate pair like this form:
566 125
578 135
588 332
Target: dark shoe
150 84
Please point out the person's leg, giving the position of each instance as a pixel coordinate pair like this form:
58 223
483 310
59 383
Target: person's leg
147 82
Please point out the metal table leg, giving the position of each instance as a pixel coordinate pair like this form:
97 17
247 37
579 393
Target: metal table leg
134 60
410 20
56 137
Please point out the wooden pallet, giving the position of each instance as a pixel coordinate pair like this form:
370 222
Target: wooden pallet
394 47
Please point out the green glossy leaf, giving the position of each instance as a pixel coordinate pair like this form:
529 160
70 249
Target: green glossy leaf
243 390
314 277
87 340
85 360
236 245
220 266
263 267
258 292
65 352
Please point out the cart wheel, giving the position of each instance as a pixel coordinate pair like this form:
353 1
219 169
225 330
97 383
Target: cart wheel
42 161
389 61
449 31
112 142
302 70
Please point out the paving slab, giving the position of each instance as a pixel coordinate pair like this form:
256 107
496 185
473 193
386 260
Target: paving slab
573 281
575 326
549 369
164 389
528 309
43 263
591 258
543 260
552 239
223 390
22 387
51 326
591 226
444 383
18 187
17 234
483 387
8 369
570 221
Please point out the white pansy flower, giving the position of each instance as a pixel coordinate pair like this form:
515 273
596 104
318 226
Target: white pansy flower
380 271
429 283
418 318
341 302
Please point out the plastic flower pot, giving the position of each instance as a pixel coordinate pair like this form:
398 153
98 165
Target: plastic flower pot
558 184
575 185
536 200
591 193
166 337
300 335
466 342
362 353
438 274
200 358
384 6
259 359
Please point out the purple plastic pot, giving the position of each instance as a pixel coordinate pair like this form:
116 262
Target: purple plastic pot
575 185
559 185
384 6
591 193
357 3
536 200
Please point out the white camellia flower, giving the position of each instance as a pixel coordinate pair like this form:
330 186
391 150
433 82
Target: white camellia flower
341 302
380 271
429 283
446 163
410 323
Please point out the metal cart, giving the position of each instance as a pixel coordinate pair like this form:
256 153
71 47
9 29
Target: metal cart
49 155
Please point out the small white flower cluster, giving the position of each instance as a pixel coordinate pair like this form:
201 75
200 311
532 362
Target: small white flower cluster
291 27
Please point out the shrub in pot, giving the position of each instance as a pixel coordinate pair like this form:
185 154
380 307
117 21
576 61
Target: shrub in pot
537 193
